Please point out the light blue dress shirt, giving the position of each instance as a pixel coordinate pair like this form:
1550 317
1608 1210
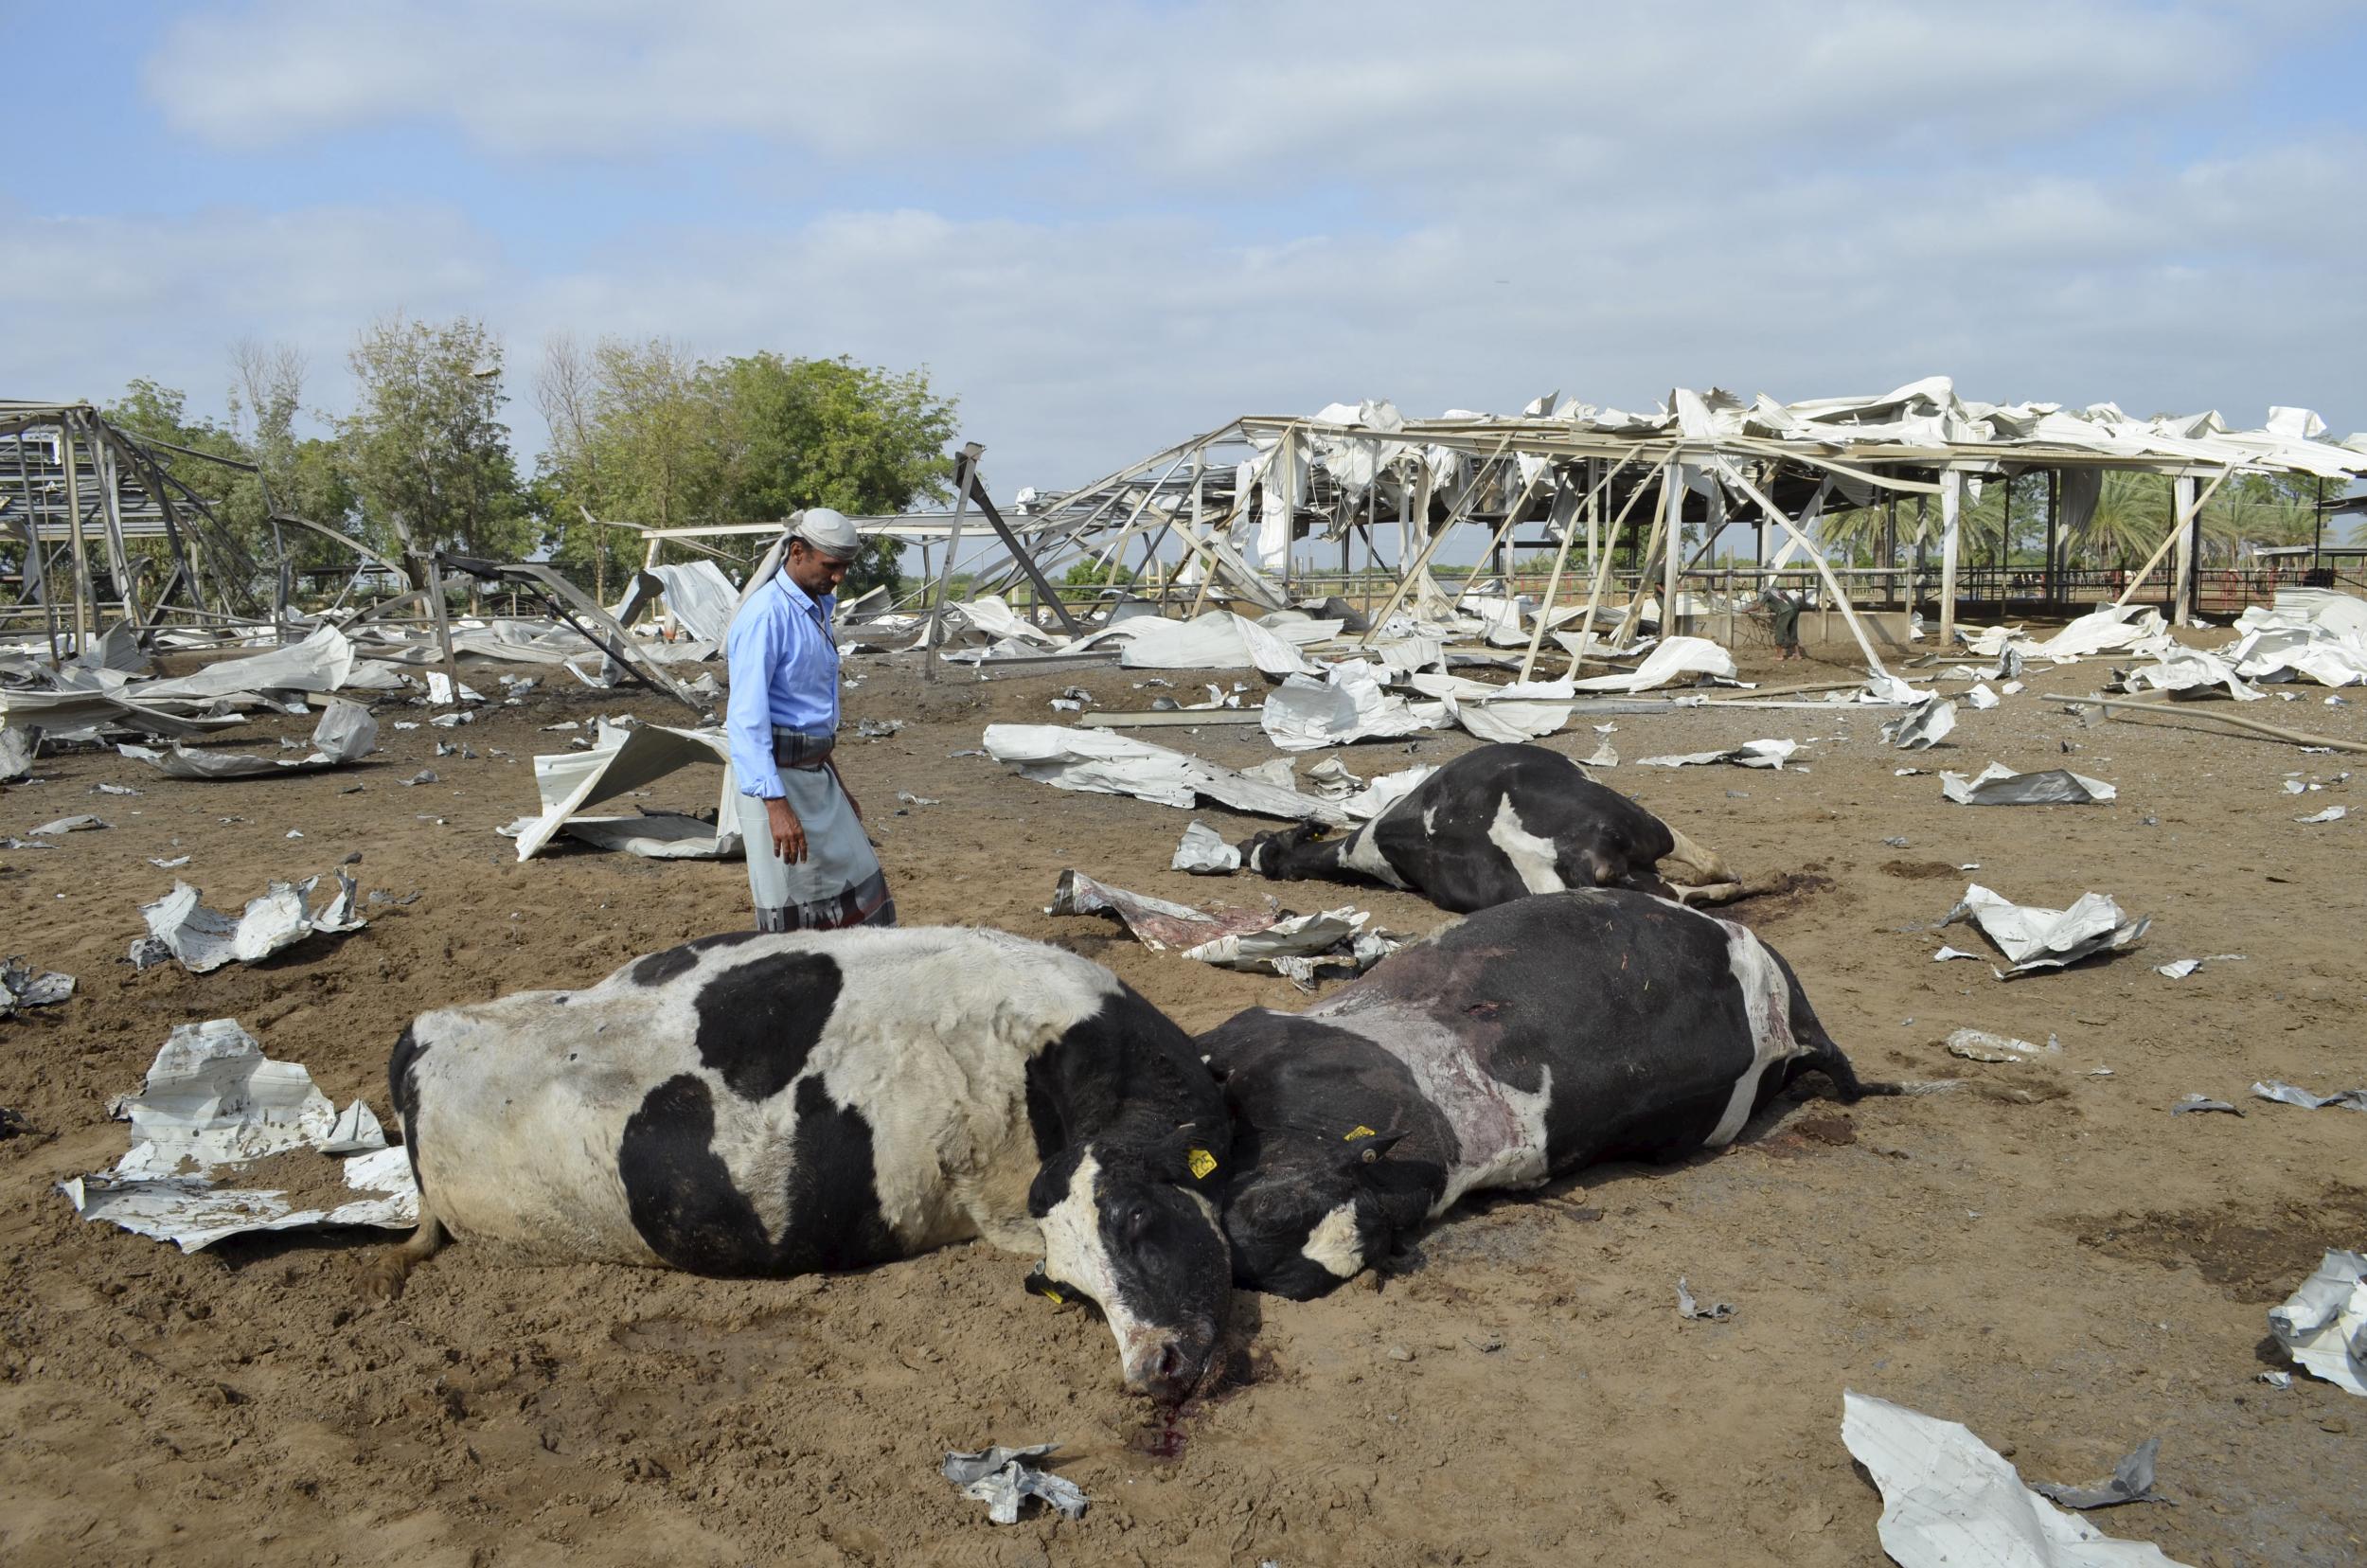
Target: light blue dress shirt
784 671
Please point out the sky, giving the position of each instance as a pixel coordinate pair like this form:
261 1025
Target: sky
1103 227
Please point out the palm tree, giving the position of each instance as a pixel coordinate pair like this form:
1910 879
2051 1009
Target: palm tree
2131 513
2255 516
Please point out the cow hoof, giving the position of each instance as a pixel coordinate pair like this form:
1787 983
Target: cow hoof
382 1278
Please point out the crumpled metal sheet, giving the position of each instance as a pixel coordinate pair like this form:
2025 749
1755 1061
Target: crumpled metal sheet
2286 1094
205 939
1204 853
194 1215
1520 711
1692 1311
18 742
1923 726
625 760
1670 660
1999 785
1298 947
322 662
2131 1481
346 734
2322 1324
2038 938
22 986
1006 1478
212 1103
1949 1500
1157 923
1347 705
1751 754
1107 762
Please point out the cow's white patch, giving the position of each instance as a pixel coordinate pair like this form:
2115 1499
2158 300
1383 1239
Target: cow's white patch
1363 856
1767 1002
1075 1252
1532 857
1335 1244
1430 820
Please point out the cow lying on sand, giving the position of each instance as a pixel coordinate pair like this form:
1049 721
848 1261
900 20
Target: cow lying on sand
782 1104
1498 824
1532 1039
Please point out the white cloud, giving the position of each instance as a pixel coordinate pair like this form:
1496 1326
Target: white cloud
1261 208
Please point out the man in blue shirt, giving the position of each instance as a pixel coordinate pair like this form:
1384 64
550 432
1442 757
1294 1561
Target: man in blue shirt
811 866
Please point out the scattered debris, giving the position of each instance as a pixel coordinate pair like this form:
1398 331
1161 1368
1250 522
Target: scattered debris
1157 923
2332 813
2349 1099
2038 938
2131 1481
425 776
1751 754
1004 1478
2322 1324
2179 969
84 824
22 986
1998 785
1948 1499
1299 946
2191 1104
346 733
627 759
1924 725
1980 1045
1204 854
113 790
1346 705
906 797
205 939
878 729
17 746
1717 1311
211 1102
1109 764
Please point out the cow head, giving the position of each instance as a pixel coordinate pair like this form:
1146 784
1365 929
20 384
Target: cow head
1307 1212
1264 852
1125 1225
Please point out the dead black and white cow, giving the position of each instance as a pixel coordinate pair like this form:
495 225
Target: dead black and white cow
1532 1039
783 1104
1497 824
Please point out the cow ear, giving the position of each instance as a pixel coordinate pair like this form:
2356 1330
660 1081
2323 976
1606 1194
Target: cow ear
1365 1147
1182 1155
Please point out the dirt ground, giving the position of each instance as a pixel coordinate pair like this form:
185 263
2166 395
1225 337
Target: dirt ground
2044 1253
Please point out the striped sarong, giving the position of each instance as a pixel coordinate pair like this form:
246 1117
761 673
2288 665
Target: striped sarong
839 882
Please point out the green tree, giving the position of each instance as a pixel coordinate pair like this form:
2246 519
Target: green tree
800 433
303 475
425 448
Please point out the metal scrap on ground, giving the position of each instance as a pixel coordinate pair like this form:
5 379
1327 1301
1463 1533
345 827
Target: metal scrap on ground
212 1103
23 986
2348 1099
1004 1478
1107 763
1999 785
346 734
1751 754
2037 938
2322 1324
203 939
1949 1500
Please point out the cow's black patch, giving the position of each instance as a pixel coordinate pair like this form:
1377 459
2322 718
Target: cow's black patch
658 968
402 1087
758 1021
834 1218
686 1207
1127 1073
677 1190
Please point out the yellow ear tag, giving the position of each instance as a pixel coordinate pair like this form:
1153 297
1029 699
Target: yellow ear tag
1357 1131
1201 1163
1053 1296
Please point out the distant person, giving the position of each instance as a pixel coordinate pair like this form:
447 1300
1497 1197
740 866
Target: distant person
1783 616
810 866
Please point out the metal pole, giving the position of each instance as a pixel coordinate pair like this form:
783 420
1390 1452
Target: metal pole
945 573
2053 520
82 607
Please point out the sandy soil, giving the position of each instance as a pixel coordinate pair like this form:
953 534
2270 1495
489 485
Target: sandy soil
2045 1255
